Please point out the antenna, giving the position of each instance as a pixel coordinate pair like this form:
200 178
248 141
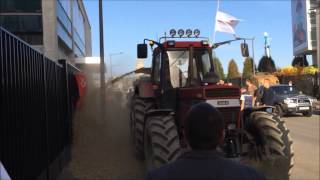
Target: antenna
165 36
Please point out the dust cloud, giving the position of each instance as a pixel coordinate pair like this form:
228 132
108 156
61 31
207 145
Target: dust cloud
102 146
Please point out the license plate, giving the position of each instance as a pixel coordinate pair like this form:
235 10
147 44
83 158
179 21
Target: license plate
304 108
221 103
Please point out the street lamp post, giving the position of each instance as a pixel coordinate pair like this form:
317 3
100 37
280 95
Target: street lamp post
102 68
110 56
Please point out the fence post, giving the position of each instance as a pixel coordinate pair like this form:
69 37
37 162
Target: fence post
46 115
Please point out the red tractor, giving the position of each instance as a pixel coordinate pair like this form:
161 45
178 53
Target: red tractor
182 75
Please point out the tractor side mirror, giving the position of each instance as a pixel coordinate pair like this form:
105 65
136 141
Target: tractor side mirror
244 50
142 51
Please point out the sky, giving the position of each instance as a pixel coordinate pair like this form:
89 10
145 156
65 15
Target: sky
128 22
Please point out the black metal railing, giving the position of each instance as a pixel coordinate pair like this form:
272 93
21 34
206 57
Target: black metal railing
37 104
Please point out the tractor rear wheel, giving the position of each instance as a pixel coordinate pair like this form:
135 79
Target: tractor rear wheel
162 143
271 149
139 108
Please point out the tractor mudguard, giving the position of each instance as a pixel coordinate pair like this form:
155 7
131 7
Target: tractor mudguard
259 108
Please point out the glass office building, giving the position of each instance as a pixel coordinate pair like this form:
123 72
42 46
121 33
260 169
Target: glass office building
27 20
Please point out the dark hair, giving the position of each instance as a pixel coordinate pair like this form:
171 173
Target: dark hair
204 127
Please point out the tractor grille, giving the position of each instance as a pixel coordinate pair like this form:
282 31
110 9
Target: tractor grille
304 101
218 93
230 115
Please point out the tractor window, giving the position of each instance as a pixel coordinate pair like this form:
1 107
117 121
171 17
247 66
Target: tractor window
206 65
203 57
156 70
179 63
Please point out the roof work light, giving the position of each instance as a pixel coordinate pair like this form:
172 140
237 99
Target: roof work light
180 32
189 32
173 32
196 32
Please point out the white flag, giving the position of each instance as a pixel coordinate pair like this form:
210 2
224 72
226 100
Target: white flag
225 22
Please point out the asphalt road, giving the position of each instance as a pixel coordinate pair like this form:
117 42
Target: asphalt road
102 147
305 135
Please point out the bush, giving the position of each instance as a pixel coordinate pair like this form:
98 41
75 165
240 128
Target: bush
233 71
300 61
218 67
266 64
291 71
247 68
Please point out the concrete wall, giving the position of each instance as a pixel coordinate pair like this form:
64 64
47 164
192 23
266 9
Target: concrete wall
49 19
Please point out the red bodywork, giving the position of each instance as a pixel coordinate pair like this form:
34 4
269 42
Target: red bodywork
186 44
189 96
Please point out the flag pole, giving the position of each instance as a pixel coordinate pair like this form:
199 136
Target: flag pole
214 32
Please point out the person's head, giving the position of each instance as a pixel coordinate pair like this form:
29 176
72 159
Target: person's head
266 83
290 83
249 82
204 127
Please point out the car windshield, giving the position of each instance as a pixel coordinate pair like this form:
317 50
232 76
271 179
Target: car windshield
285 90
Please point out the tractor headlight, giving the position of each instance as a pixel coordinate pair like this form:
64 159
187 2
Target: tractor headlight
231 126
205 43
180 32
171 43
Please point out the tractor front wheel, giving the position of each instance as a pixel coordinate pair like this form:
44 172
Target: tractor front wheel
271 146
161 139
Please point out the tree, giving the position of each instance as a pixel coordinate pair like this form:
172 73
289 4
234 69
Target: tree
247 68
218 68
233 71
266 64
300 61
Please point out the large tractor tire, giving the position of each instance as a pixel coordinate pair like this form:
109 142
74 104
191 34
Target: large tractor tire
271 146
162 143
138 111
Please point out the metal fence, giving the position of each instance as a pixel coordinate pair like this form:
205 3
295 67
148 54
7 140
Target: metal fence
37 102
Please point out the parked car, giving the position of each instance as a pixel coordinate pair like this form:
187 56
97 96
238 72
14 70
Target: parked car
289 100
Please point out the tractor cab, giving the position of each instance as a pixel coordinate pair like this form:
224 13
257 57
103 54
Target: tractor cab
183 74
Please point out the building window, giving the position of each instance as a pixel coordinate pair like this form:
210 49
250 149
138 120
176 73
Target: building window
66 5
63 18
22 24
20 6
78 21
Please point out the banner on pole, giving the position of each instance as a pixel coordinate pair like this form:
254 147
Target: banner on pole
226 23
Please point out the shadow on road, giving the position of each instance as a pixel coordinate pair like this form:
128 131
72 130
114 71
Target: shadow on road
102 147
